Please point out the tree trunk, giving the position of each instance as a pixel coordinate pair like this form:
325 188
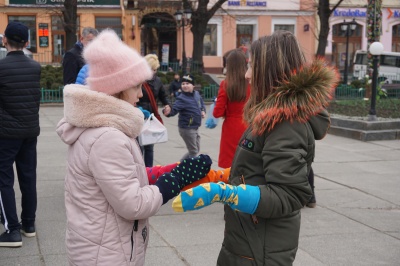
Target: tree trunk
70 15
198 29
323 14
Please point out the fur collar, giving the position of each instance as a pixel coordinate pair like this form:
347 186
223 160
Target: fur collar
305 93
89 109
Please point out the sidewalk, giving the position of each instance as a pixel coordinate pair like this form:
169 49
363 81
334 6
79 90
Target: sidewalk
356 221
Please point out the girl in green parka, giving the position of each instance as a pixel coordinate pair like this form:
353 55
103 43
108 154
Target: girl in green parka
268 181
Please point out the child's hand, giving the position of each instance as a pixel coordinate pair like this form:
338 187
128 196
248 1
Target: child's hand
166 110
203 114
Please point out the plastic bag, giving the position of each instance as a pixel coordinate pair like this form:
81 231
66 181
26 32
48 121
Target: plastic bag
153 132
211 121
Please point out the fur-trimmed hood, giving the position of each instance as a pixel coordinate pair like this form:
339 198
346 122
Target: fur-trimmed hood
85 108
304 94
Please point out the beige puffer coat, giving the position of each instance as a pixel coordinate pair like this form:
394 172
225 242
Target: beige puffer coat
107 196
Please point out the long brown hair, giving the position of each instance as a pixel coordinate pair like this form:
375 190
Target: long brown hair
236 84
273 59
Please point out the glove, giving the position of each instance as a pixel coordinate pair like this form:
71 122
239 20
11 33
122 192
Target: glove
213 176
243 198
145 112
185 173
153 173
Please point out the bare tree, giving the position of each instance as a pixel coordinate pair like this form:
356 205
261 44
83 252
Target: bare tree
69 12
324 12
200 18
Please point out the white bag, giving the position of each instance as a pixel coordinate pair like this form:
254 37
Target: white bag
153 132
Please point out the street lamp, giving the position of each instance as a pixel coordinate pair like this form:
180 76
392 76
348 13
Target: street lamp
183 19
348 28
376 49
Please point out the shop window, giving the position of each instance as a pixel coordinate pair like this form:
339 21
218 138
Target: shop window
284 27
244 35
210 40
30 22
114 23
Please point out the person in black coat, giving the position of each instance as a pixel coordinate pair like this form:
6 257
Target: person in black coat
176 86
159 94
73 60
19 129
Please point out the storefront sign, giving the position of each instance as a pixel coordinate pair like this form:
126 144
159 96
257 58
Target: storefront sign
60 2
247 3
43 34
355 13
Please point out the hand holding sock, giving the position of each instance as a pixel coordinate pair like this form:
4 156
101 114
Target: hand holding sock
185 173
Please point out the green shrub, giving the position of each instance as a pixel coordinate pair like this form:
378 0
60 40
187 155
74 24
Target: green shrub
51 75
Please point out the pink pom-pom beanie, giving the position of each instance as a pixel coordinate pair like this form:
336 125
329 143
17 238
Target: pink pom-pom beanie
114 66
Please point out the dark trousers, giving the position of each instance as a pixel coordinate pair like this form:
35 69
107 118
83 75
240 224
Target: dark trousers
148 154
23 153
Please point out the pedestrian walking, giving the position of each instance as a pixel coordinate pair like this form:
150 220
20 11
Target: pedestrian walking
233 93
192 110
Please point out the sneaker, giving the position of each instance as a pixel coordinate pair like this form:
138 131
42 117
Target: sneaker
11 239
28 231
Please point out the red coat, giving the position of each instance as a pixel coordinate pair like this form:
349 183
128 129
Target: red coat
232 127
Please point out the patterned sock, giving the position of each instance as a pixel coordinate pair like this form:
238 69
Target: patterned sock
192 169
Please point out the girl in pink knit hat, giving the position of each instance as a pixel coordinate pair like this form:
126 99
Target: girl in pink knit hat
108 198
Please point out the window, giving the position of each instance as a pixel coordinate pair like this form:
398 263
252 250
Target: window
338 32
210 40
284 27
244 35
109 22
30 22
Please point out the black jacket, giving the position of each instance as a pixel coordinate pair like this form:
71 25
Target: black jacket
158 92
72 64
19 96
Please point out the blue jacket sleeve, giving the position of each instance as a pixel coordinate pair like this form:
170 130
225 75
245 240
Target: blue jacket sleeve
82 75
177 107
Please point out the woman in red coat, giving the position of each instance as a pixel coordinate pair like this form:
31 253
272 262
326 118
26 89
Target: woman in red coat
232 96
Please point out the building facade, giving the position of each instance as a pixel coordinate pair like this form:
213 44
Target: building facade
150 27
349 10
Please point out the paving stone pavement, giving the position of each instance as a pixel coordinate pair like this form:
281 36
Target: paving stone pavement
356 221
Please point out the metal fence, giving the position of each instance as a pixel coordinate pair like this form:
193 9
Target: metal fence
192 67
209 92
56 96
52 96
348 92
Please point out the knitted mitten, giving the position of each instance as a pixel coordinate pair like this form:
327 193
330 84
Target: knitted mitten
214 176
153 173
243 198
185 173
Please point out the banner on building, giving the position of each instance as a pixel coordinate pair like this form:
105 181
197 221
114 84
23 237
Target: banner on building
165 54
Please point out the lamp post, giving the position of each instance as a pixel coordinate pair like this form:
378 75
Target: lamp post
183 19
376 50
348 28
